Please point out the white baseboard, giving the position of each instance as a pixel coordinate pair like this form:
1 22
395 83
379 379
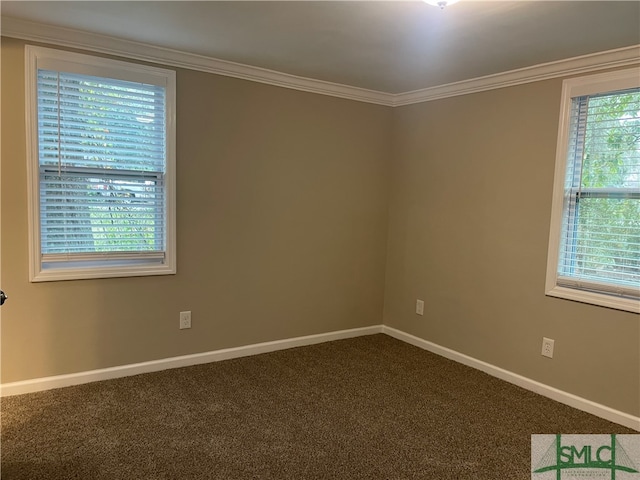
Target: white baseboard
58 381
574 401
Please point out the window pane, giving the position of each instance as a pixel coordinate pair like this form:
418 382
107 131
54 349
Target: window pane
102 159
606 245
601 234
612 142
101 213
93 122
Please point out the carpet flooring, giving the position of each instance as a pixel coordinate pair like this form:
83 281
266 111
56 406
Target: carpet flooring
364 408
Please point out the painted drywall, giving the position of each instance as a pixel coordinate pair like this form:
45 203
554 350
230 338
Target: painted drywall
281 232
470 204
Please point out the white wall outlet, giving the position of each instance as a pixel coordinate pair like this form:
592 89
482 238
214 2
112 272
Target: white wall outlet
185 320
547 347
420 307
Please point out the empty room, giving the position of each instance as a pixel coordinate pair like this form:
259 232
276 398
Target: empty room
320 240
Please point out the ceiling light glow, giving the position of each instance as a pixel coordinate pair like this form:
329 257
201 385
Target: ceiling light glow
441 3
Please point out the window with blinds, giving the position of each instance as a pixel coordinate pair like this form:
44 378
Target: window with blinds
598 249
104 167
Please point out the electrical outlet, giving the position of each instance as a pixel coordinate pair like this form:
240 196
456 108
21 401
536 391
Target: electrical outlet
420 307
547 347
185 320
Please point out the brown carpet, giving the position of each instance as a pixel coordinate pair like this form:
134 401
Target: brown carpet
364 408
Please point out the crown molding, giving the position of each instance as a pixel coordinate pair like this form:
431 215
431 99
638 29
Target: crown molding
620 57
71 38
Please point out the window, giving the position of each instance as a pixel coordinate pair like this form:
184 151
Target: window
594 248
101 162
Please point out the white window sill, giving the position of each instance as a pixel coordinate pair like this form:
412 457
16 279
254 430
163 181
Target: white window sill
600 299
59 274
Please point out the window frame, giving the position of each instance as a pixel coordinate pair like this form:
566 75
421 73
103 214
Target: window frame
572 88
114 264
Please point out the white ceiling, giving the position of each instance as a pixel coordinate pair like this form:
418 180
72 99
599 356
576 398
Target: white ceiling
386 46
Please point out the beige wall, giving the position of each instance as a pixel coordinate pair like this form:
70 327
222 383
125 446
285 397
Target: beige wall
282 220
288 205
470 204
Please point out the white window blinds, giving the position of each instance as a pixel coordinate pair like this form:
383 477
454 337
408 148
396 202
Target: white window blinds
102 163
101 166
600 240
